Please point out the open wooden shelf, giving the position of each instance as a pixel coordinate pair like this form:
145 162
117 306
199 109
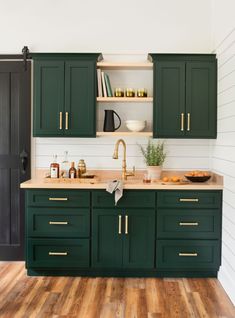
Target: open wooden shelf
125 65
124 133
126 99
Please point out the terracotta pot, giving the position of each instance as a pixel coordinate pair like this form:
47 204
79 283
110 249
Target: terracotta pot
154 172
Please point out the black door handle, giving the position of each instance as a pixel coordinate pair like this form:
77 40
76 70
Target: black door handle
24 161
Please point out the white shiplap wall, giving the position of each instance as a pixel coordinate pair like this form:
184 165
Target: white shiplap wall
223 156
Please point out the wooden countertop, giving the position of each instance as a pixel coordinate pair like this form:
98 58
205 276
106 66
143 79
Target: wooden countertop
104 176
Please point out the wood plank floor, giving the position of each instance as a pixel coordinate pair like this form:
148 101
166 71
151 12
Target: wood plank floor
57 297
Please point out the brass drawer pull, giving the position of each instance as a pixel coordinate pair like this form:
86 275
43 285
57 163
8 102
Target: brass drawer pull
188 254
188 122
182 122
119 224
189 200
58 223
126 224
61 120
58 253
188 223
58 199
66 120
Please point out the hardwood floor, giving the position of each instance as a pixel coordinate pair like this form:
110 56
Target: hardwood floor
57 297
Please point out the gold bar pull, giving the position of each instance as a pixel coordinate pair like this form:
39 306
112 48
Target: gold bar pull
189 200
58 223
188 122
126 224
66 120
61 120
58 199
188 223
188 254
58 253
182 122
119 224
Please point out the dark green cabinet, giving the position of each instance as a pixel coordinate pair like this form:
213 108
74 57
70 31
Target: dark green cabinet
65 95
185 102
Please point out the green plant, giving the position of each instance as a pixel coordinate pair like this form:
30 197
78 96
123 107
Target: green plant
154 154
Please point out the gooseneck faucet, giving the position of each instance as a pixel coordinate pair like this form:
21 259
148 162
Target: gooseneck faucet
125 174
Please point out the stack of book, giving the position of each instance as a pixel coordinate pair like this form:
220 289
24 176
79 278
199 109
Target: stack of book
104 86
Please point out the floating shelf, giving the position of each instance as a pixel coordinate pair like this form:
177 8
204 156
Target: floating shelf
124 133
125 65
125 99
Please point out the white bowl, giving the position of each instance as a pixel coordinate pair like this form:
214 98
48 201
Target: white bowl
135 125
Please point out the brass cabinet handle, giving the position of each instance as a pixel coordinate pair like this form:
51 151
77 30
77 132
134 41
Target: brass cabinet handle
58 223
61 120
188 200
188 122
126 224
58 199
119 224
188 223
66 120
182 122
58 253
188 254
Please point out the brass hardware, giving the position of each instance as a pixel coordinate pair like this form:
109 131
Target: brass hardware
58 223
188 254
182 122
126 224
188 223
119 224
58 199
189 200
61 120
66 120
125 174
58 253
188 122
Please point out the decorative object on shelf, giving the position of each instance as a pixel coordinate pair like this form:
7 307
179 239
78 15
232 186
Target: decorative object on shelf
154 156
135 125
142 92
54 168
130 92
119 92
81 167
109 124
197 176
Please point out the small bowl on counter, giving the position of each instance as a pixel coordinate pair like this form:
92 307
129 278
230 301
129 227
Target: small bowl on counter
135 125
197 176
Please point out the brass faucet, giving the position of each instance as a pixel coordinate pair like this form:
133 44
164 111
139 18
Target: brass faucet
125 174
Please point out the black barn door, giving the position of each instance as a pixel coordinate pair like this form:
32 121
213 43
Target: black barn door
15 120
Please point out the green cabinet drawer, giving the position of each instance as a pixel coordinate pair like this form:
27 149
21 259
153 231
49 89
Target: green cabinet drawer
189 199
58 222
189 223
130 198
190 254
58 198
58 253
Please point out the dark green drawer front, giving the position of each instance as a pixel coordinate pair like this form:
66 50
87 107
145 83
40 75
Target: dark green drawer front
179 223
129 199
189 199
58 222
60 198
72 253
190 254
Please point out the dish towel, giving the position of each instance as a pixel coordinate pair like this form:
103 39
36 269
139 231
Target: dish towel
117 187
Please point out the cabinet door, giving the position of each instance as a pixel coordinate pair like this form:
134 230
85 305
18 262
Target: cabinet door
201 106
169 99
48 98
138 245
107 242
80 99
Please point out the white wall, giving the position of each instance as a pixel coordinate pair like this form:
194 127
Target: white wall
223 149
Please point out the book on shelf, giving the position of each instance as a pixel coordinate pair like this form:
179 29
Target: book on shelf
108 85
99 82
103 85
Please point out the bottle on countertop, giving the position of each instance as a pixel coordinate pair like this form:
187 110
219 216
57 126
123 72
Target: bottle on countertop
72 171
54 168
65 166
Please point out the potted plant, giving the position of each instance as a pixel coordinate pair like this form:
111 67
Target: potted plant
154 156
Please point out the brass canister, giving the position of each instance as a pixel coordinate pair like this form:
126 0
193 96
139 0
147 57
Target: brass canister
82 167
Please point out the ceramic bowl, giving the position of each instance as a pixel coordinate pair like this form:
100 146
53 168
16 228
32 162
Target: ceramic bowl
197 178
135 125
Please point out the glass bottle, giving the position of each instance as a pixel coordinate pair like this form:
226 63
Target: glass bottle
54 168
72 171
65 166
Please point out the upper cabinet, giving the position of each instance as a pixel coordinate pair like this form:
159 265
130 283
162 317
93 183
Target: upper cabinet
64 93
184 101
